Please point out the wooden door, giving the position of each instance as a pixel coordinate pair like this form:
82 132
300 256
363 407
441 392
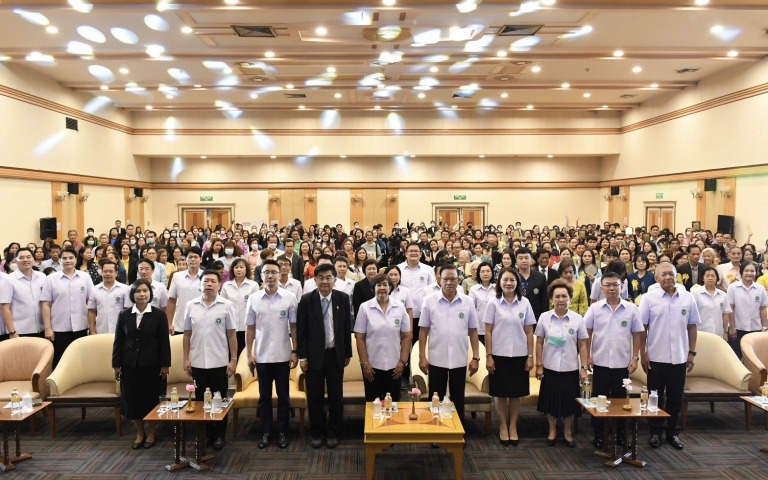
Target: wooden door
447 215
220 216
194 217
473 216
668 218
662 215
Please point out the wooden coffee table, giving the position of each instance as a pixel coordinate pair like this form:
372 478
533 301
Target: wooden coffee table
180 419
10 421
615 413
750 402
380 433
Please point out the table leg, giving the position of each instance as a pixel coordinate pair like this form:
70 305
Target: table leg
631 456
457 450
200 455
179 461
6 465
19 456
748 415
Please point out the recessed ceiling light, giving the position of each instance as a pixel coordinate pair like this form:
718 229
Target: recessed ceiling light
155 51
104 87
421 95
716 29
481 156
230 2
343 156
273 157
197 85
618 53
548 3
148 107
289 86
51 29
413 155
565 85
331 69
586 29
433 69
186 29
377 107
504 95
302 107
321 30
226 71
123 70
388 3
605 106
587 95
39 57
550 156
654 85
203 156
381 86
254 96
337 95
454 107
733 53
529 107
535 69
701 3
501 53
81 6
269 54
637 69
169 96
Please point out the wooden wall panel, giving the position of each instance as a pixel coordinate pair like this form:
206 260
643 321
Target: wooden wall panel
356 206
729 202
310 206
393 208
273 197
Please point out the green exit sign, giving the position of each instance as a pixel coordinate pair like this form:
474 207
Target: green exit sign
659 196
459 197
206 199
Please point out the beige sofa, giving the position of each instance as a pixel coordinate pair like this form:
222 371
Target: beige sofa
84 378
718 376
754 349
25 363
177 377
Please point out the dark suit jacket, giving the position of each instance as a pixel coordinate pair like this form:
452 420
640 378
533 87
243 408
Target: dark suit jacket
144 346
132 272
537 293
311 330
684 274
552 275
297 266
362 292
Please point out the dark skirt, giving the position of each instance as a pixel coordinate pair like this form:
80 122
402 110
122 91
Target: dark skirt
140 390
510 380
558 393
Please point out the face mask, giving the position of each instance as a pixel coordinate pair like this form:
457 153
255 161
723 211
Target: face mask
173 235
272 246
151 240
255 247
132 241
229 251
167 235
91 242
176 228
432 224
90 234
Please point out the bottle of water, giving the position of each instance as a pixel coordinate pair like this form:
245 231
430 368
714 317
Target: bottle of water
445 407
207 400
174 399
15 400
764 393
377 408
388 405
643 398
216 406
653 401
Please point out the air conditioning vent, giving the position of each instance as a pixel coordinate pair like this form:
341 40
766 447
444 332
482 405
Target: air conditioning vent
295 95
518 30
251 78
70 124
687 70
254 31
627 95
463 94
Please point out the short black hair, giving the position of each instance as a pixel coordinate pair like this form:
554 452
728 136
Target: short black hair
147 261
209 271
196 250
323 268
136 285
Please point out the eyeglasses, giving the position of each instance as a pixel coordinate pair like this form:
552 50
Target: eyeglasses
324 279
270 272
611 285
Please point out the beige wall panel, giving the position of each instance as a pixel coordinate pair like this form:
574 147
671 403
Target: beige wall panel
333 207
103 207
24 203
751 208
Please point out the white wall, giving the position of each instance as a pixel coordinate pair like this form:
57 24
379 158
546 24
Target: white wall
677 192
752 209
333 206
24 203
104 206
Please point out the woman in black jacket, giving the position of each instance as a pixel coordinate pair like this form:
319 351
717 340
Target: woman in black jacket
141 358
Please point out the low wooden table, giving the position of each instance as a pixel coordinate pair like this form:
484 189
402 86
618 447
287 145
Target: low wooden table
616 412
750 402
180 419
380 433
11 420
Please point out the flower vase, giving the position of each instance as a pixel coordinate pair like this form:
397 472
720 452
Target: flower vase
413 415
190 404
627 406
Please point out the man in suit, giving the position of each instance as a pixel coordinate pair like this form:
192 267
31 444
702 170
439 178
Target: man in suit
297 264
542 259
688 273
533 283
324 327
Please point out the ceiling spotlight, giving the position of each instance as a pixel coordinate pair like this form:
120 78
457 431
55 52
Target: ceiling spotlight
289 86
302 107
203 156
481 156
388 3
529 107
186 29
230 2
637 69
501 53
337 95
377 107
565 85
123 70
548 3
273 157
454 107
197 85
733 53
605 106
343 156
716 29
269 54
169 96
587 95
433 69
504 95
701 3
654 85
51 29
331 69
535 69
618 53
321 31
254 96
104 87
421 95
148 107
550 156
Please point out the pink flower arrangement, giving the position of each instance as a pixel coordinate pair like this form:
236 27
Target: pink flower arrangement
191 387
415 392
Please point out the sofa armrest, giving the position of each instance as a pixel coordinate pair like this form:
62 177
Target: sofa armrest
66 375
731 371
755 366
243 376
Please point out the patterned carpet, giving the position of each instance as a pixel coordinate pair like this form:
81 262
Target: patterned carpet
717 447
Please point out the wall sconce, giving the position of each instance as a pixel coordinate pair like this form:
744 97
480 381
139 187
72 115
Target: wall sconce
131 197
310 197
274 198
83 197
61 195
392 197
621 197
725 192
357 198
695 193
145 198
607 198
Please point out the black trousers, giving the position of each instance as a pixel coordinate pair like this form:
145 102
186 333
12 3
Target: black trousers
440 378
38 335
62 340
279 373
240 344
216 380
608 381
736 344
414 339
669 381
328 379
381 385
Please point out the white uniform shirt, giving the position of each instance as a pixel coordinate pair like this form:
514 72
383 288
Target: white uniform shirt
480 297
416 279
565 357
728 274
69 300
508 321
403 295
272 316
108 304
612 332
382 331
184 288
667 319
239 296
711 309
49 263
746 303
449 324
209 346
23 295
597 293
293 286
310 285
346 285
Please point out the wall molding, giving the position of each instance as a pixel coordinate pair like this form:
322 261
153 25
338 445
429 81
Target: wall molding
48 176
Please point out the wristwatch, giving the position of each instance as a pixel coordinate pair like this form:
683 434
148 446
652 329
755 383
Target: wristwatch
692 353
12 333
405 364
477 359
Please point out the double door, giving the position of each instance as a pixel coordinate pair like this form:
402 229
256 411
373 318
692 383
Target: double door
453 214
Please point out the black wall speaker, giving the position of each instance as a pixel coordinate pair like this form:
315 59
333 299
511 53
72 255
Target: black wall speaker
710 185
725 223
615 190
48 228
73 188
139 192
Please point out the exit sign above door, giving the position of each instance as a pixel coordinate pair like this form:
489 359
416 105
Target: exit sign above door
459 197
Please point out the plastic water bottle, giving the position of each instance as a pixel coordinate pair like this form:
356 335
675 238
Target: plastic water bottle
207 400
445 408
216 404
653 401
174 399
377 408
643 398
15 400
764 393
388 405
26 403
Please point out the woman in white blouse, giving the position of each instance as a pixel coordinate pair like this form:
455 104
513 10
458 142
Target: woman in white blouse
712 303
238 290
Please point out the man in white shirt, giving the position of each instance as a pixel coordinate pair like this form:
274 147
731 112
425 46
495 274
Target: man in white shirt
271 322
185 286
310 285
731 271
210 346
285 281
20 298
343 284
416 276
54 261
159 273
108 299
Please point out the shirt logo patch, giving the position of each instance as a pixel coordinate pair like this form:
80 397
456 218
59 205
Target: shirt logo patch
571 331
536 291
118 299
757 299
218 320
246 297
461 315
521 315
283 313
683 312
624 323
397 322
421 279
82 289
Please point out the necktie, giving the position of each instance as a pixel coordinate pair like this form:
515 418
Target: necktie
327 323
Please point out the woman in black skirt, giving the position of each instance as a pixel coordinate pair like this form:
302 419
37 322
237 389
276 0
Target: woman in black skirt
561 344
141 357
509 323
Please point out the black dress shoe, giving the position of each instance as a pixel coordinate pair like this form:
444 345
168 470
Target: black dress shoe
332 442
137 445
654 441
218 444
675 441
504 443
551 442
264 441
569 443
149 445
316 443
282 440
514 442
